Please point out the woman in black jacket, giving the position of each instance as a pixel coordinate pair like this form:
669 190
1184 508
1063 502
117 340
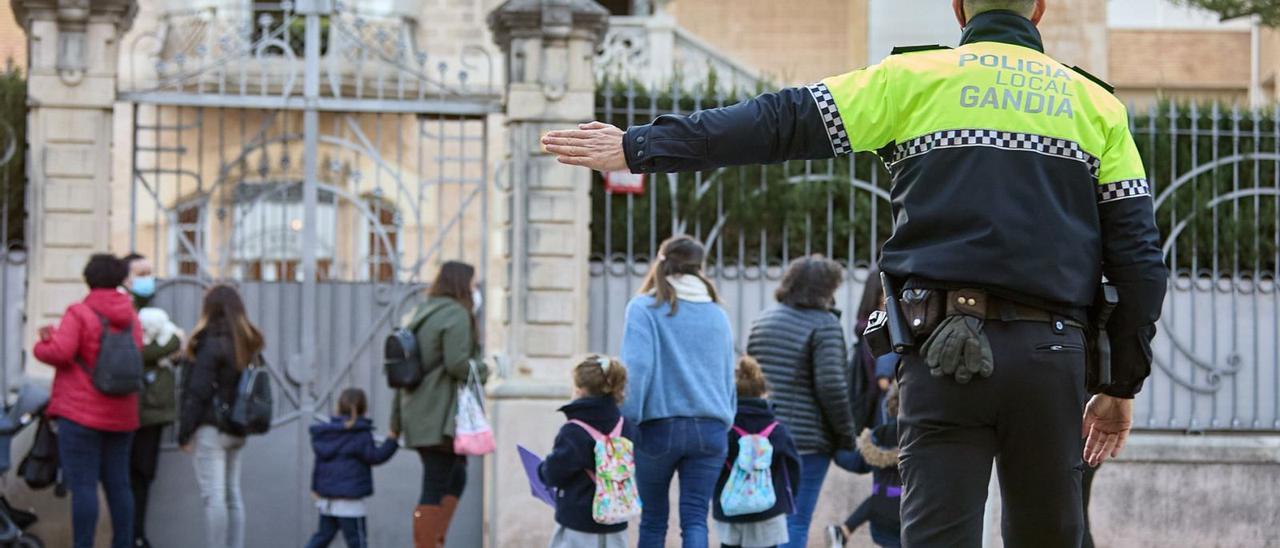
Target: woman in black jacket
801 347
223 344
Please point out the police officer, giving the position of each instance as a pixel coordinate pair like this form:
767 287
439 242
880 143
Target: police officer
1016 187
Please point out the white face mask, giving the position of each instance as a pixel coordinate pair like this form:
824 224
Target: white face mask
477 300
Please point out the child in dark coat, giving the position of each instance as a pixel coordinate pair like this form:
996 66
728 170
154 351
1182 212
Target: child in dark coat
877 453
755 415
599 383
343 476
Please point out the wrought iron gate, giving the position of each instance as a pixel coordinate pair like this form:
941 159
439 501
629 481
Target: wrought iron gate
313 155
1214 174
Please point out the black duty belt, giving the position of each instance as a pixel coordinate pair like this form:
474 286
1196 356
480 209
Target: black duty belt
980 304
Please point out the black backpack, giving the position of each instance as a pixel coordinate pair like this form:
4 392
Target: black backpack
400 356
118 371
251 411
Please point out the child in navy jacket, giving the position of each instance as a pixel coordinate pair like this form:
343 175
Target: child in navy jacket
877 453
343 476
599 386
755 414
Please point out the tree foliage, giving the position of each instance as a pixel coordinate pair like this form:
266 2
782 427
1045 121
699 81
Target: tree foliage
1266 10
13 124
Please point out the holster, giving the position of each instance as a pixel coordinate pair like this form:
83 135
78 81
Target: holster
923 311
1098 369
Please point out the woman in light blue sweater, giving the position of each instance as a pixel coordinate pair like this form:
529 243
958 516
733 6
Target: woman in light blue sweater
678 349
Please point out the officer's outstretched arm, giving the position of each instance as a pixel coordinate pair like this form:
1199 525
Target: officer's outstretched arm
1132 261
791 124
770 128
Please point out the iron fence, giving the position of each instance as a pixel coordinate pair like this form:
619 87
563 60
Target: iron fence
1213 170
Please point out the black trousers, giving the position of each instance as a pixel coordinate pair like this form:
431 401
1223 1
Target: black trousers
143 457
444 473
1026 416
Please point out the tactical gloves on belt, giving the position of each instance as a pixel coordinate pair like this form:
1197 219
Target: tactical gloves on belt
959 347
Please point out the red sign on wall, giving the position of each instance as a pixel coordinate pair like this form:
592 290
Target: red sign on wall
624 182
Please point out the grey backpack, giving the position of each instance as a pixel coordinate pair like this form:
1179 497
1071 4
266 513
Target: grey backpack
118 371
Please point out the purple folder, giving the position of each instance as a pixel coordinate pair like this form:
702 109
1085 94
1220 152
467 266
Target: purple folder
531 463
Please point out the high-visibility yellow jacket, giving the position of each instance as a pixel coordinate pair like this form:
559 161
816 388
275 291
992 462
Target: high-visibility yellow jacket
1011 172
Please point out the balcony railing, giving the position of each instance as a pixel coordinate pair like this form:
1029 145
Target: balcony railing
656 52
259 50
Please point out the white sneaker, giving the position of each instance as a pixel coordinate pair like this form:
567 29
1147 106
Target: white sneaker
835 536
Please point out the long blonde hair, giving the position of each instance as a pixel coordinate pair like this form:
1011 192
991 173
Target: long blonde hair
223 309
679 255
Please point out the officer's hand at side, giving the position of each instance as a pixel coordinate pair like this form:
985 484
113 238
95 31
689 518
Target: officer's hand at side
596 145
1107 420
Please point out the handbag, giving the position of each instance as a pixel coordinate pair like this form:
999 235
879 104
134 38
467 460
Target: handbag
472 435
40 468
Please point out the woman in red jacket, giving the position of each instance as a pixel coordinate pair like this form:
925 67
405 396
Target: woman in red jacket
94 430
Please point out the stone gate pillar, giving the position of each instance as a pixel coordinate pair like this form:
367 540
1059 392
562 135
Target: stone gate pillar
542 263
73 49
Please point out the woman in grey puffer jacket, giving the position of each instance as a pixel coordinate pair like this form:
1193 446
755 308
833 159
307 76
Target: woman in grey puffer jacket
801 347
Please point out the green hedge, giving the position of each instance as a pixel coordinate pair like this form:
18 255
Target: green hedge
773 213
13 179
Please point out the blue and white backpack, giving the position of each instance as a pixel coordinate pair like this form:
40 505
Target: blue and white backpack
749 489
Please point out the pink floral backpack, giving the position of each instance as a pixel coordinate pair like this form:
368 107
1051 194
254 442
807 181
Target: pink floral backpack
616 500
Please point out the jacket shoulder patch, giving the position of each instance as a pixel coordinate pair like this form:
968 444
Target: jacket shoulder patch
1110 88
912 49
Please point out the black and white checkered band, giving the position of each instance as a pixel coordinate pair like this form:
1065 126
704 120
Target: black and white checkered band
1121 190
831 118
954 138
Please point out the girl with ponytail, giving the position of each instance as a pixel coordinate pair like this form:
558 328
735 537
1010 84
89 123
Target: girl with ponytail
343 477
599 385
678 347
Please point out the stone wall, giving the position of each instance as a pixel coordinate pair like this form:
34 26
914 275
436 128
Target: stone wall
13 42
791 45
1146 64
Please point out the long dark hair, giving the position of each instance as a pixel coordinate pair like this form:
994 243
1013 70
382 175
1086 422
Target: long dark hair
454 281
352 404
224 310
679 255
810 282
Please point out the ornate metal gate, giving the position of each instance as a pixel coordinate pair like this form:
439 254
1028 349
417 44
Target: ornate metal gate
312 154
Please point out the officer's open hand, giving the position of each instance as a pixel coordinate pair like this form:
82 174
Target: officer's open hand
596 145
1107 420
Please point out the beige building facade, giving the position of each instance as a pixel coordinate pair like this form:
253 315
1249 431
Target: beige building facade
1147 49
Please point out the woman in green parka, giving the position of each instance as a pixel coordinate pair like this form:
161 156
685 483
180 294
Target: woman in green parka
424 416
158 403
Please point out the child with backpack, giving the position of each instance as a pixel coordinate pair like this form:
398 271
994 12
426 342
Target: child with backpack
343 477
592 466
877 453
756 488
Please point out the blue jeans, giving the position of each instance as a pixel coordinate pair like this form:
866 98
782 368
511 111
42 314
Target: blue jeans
353 531
813 470
694 448
89 456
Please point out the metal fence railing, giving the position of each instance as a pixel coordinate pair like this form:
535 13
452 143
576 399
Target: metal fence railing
13 253
1213 172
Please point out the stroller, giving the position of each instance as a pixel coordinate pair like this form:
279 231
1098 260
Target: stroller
14 522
